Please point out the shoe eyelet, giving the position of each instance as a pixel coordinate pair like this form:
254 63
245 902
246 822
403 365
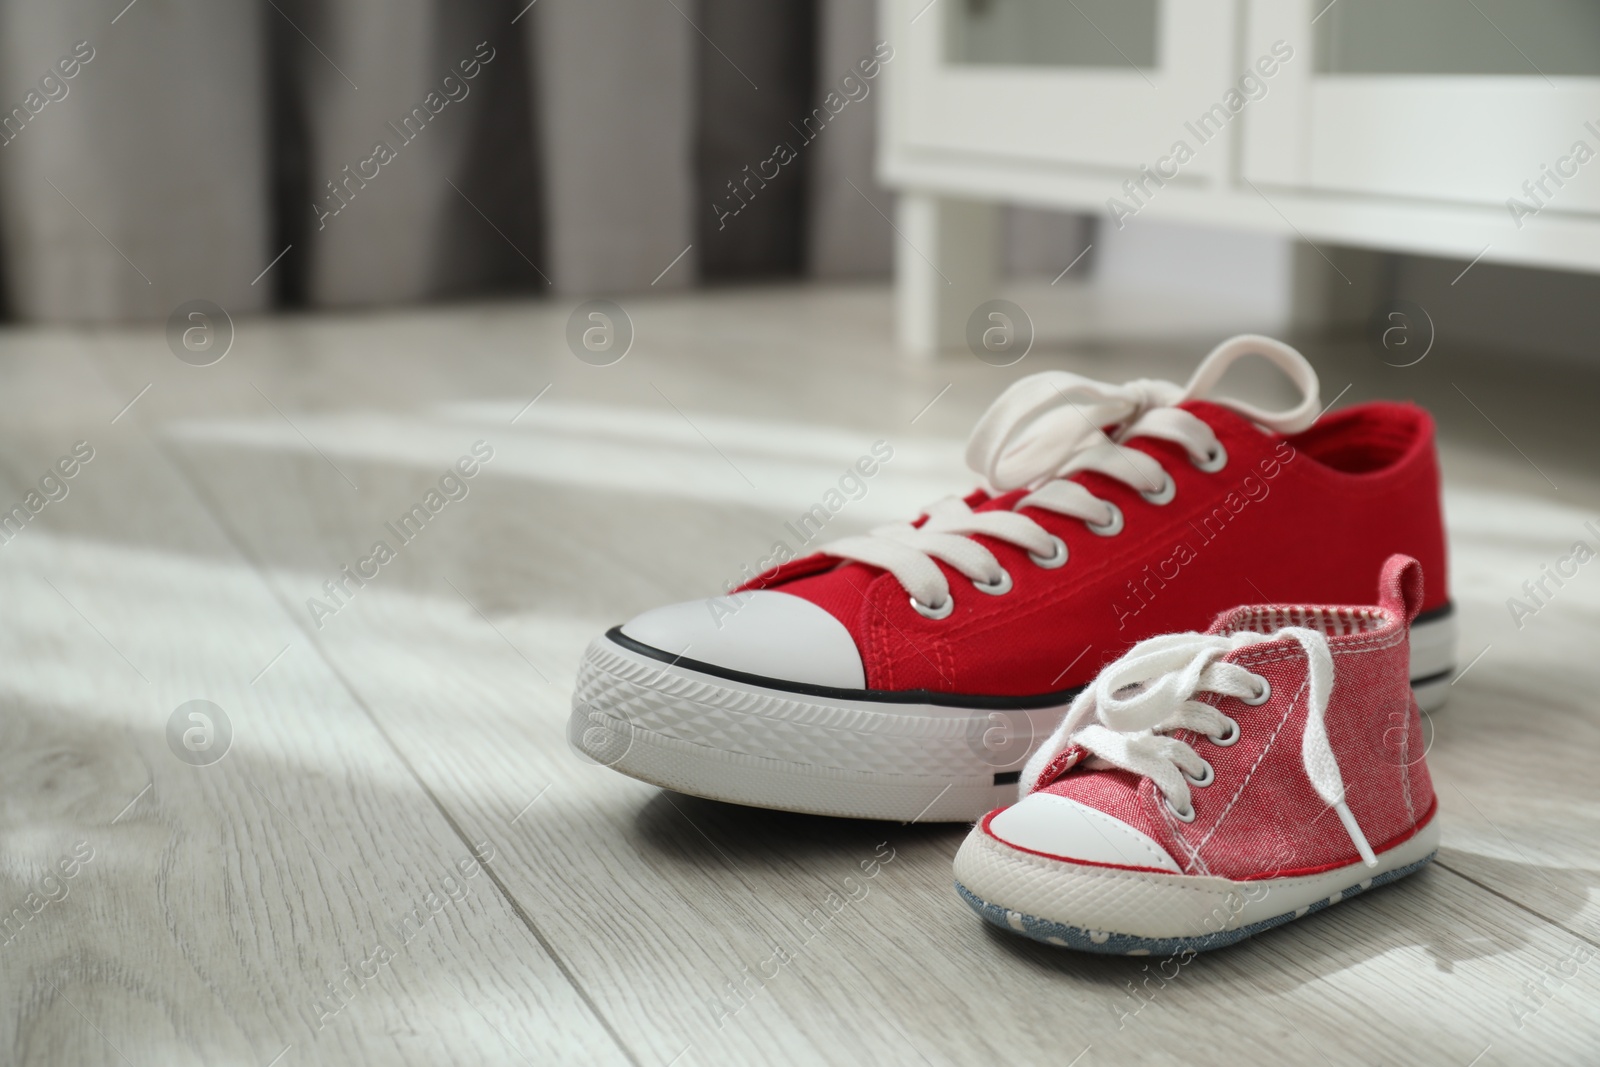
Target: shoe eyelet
1215 460
1162 495
1204 780
1229 738
1111 527
996 588
1261 697
1055 559
1181 816
942 611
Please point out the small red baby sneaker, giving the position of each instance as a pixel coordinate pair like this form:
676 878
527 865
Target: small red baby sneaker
1210 786
908 673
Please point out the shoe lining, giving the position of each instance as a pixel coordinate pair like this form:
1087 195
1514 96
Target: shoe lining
1330 622
1360 442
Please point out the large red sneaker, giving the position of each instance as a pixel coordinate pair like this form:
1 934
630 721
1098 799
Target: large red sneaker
909 673
1210 786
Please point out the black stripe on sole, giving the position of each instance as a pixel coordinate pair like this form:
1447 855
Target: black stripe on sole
978 701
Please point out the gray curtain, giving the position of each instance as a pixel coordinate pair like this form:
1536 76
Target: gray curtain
142 179
389 151
847 237
617 117
358 81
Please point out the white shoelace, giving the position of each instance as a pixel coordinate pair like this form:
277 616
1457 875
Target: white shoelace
1124 718
1046 427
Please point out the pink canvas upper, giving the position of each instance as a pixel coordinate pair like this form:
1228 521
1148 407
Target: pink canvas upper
1260 817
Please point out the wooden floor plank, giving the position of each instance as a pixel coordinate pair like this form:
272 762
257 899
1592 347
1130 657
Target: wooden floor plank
209 908
669 911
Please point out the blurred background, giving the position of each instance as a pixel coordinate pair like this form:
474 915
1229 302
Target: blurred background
588 147
376 154
279 266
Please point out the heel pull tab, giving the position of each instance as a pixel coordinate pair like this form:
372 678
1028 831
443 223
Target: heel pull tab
1400 586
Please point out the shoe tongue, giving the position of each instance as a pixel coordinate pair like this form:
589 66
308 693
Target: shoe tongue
998 501
1223 419
839 590
1040 422
1085 784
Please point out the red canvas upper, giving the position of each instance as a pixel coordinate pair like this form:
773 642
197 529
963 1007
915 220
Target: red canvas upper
1304 518
1260 817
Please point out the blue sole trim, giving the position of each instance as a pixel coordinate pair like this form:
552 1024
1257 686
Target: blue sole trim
1114 944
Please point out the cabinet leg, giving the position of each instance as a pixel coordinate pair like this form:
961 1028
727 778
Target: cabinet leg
1335 290
946 264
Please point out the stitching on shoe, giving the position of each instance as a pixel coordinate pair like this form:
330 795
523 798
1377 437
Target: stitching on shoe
1011 855
1405 769
947 661
1295 700
1174 828
1362 645
1196 863
880 639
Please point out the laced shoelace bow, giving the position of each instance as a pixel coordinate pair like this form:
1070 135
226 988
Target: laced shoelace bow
1125 718
1048 426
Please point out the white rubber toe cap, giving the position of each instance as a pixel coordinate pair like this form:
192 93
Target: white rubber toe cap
1059 826
763 632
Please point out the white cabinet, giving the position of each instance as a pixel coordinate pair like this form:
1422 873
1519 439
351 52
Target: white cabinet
1089 103
1451 127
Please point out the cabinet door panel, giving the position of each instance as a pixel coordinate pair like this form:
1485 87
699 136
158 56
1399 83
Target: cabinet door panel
1357 120
1062 83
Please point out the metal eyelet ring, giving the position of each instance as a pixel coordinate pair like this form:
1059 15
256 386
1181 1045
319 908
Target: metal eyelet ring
1111 527
1215 460
1181 816
1162 495
1229 738
1204 780
941 612
999 587
1261 697
1056 558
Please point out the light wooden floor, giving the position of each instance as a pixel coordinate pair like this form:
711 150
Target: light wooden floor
424 722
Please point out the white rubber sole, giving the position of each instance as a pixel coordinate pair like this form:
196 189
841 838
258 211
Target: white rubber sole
828 754
1137 913
1433 659
709 736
